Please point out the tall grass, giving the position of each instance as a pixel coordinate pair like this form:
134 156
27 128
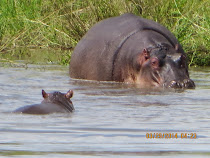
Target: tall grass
62 23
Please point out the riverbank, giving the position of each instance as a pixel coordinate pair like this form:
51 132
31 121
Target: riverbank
59 25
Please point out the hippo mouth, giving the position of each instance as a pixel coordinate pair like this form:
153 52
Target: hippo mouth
185 84
158 81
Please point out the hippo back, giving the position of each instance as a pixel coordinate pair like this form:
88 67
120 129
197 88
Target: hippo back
95 55
43 108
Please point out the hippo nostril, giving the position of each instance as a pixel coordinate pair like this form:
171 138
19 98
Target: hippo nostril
185 83
186 80
181 85
188 83
173 84
178 85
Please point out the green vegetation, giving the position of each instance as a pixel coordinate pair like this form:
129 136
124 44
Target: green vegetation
59 24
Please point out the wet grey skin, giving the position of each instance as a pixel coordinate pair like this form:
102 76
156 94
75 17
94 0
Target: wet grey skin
131 49
55 102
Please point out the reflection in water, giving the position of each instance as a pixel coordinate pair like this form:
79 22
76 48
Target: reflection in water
111 119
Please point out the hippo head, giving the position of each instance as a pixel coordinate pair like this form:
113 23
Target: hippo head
164 66
59 98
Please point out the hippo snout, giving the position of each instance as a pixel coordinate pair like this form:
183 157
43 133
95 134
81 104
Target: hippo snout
186 83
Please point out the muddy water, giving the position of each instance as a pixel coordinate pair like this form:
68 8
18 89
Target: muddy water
111 119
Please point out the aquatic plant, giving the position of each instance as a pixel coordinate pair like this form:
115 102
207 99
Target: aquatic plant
60 24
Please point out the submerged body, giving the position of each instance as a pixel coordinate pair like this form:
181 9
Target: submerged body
131 49
55 102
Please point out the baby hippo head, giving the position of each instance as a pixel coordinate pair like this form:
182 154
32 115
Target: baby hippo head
61 99
55 102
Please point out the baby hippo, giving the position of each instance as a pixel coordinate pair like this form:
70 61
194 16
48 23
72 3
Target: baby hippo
55 102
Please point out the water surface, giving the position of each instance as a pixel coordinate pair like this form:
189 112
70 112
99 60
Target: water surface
110 120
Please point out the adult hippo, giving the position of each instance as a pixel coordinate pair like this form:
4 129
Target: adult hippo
55 102
131 49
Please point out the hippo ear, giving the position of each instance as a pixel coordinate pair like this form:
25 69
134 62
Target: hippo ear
144 56
69 94
44 94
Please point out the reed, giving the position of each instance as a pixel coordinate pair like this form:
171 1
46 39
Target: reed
62 23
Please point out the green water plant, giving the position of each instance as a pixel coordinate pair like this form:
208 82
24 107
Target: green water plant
60 24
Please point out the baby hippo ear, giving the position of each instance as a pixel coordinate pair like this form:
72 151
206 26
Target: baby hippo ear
69 94
44 94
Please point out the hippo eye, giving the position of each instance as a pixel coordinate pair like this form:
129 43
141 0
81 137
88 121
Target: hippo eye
163 56
154 63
